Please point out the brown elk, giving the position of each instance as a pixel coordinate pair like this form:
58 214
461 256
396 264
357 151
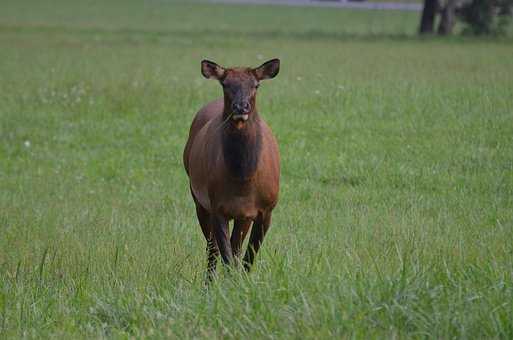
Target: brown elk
233 164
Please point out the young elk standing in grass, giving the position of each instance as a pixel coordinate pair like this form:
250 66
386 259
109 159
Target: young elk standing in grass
233 164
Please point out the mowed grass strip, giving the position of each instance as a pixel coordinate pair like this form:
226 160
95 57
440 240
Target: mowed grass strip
396 209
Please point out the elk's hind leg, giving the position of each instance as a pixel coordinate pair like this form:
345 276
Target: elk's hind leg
258 231
206 228
212 250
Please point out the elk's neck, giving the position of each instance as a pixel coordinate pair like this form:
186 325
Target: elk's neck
242 148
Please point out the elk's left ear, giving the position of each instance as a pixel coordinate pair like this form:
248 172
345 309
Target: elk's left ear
209 69
267 70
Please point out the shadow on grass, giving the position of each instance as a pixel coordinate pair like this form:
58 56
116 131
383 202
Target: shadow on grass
125 35
144 35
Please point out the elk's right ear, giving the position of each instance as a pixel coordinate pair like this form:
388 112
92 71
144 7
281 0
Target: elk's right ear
209 69
267 70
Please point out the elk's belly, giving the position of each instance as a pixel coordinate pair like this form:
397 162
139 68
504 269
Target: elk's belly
233 201
239 207
229 204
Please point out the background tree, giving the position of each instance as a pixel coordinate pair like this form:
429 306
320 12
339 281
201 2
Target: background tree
486 16
427 21
479 16
447 19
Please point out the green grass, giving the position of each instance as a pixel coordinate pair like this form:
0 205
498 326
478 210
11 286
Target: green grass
396 209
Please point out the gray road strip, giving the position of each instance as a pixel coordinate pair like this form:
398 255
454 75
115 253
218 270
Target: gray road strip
330 4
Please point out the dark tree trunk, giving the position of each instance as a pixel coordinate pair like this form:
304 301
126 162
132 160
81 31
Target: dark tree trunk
506 7
427 21
447 20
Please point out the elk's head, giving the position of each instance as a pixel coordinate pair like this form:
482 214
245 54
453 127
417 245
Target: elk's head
240 85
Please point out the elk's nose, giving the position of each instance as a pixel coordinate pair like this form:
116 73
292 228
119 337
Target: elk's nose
241 108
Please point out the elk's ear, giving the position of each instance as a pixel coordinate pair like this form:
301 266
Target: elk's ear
209 69
268 70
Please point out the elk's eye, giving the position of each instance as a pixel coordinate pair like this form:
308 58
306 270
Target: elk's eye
257 86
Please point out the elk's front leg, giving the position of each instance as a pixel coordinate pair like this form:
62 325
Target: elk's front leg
258 231
220 225
240 230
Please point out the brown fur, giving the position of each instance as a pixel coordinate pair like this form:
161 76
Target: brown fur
233 165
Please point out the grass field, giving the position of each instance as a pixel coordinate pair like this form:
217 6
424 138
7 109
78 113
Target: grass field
396 210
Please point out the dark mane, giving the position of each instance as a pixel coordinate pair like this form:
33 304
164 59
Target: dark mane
241 149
